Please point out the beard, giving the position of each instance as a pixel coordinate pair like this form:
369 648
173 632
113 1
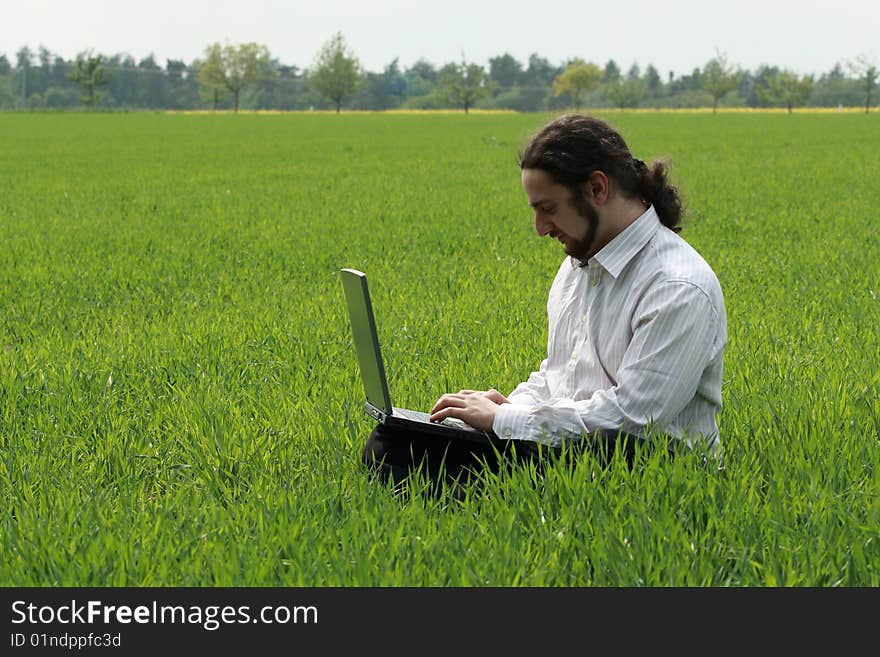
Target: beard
581 249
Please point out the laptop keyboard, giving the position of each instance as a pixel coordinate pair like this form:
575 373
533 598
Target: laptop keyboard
453 422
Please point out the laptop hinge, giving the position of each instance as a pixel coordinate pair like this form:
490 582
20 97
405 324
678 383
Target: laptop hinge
377 413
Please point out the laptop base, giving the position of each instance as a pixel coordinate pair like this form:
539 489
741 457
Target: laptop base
399 422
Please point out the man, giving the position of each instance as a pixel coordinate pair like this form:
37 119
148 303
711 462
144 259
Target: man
637 323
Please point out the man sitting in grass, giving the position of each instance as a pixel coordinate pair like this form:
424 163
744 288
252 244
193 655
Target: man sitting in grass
637 324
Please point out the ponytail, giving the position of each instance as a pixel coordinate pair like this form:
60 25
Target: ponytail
654 187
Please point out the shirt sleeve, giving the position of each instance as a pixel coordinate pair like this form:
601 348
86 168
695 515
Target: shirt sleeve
533 390
675 336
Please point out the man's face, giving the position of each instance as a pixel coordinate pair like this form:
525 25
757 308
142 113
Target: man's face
573 222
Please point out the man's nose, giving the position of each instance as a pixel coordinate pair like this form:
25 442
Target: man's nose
542 226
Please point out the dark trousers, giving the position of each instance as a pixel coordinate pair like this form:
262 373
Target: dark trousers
394 455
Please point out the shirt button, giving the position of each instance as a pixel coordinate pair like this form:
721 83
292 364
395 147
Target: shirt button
568 392
574 355
507 433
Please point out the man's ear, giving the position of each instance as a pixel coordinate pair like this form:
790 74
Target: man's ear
597 187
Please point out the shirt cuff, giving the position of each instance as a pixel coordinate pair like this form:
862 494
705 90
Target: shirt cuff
522 399
510 421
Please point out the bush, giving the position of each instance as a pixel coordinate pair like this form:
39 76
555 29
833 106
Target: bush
522 99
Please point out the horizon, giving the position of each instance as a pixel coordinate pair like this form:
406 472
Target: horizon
749 33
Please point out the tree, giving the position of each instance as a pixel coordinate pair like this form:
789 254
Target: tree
175 69
422 69
336 72
464 84
125 87
89 74
45 57
391 85
611 71
866 72
540 71
652 79
836 73
834 89
576 79
233 68
718 78
625 93
284 89
757 95
23 61
210 90
421 79
382 90
505 70
787 88
151 83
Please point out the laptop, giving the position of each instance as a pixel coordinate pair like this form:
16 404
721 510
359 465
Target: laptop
369 355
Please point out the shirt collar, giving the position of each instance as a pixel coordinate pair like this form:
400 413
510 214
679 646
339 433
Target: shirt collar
616 255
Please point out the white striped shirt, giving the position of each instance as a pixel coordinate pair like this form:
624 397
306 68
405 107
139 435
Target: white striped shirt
636 339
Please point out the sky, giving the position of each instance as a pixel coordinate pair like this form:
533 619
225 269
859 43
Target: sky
806 36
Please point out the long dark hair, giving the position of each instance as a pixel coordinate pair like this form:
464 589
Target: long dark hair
573 146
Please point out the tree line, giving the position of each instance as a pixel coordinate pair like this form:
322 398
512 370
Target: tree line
235 76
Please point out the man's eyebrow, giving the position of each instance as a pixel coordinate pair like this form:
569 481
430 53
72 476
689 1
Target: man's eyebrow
535 204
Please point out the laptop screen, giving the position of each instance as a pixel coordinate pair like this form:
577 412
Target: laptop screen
366 340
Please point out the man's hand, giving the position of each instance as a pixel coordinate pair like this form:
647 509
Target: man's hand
475 407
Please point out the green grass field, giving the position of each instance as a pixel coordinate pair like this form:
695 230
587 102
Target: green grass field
179 397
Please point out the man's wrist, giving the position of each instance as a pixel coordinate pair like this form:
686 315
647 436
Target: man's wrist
510 420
